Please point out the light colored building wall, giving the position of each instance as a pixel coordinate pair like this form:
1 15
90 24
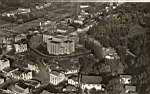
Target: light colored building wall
60 48
90 86
4 64
20 48
55 80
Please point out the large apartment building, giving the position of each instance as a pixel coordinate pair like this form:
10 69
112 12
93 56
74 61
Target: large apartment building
60 45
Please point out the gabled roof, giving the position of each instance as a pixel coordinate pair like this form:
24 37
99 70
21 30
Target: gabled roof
91 79
46 92
125 76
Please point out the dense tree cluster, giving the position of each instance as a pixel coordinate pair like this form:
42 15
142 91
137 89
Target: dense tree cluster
128 30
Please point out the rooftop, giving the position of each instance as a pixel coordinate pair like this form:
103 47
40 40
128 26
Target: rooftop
91 79
46 92
125 76
55 73
130 88
20 71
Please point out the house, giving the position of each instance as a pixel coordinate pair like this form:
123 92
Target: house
84 6
4 63
33 68
89 82
19 88
79 22
71 67
70 88
49 26
125 79
55 77
6 40
129 89
20 37
84 29
110 53
2 80
73 81
46 37
33 83
23 10
20 47
46 92
20 74
74 37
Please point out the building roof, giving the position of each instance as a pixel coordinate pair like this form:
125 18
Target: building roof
55 73
46 92
125 76
70 88
9 69
130 88
91 79
74 78
20 71
3 60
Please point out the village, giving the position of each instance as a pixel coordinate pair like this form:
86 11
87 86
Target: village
61 54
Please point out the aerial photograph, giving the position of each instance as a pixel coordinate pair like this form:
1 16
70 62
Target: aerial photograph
49 47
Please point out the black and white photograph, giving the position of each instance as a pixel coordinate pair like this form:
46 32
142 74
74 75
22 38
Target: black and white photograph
74 46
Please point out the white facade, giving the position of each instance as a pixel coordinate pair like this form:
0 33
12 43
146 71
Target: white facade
58 46
125 79
55 79
72 82
46 37
20 48
1 80
130 89
23 11
73 71
9 47
84 6
110 53
4 64
21 76
33 68
79 22
90 86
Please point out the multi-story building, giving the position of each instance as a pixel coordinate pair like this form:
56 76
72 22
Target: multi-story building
46 37
20 74
90 82
2 80
4 63
21 47
6 42
73 81
56 77
60 45
33 68
49 26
